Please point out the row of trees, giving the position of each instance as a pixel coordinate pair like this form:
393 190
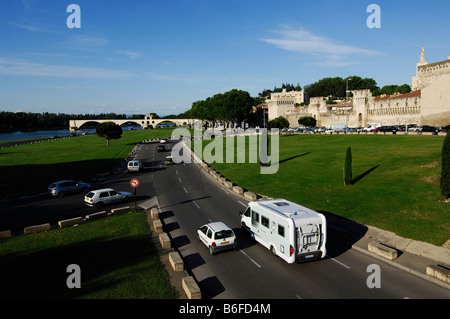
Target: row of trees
22 121
231 106
336 87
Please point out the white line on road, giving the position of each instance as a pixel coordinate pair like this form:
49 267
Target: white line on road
250 258
185 190
242 203
195 204
176 171
179 179
338 262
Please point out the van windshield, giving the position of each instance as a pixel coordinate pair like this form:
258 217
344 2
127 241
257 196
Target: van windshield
223 234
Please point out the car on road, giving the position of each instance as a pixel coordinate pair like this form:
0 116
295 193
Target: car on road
169 160
161 148
217 237
135 166
100 197
61 188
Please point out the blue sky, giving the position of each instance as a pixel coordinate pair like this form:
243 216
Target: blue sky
141 56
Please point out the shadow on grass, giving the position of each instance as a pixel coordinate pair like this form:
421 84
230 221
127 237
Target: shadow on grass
286 159
105 265
360 177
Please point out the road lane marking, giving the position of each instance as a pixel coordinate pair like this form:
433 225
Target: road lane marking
338 262
259 266
195 204
242 203
185 190
179 179
176 171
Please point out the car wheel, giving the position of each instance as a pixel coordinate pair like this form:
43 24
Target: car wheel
99 205
61 194
272 249
211 251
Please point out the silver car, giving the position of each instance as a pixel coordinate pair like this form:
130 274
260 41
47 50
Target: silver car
61 188
105 196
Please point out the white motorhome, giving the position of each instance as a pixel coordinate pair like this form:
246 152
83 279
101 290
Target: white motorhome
289 230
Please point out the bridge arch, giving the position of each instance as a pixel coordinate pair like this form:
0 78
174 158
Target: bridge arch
147 122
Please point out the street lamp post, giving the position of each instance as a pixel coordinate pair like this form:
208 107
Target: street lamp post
346 102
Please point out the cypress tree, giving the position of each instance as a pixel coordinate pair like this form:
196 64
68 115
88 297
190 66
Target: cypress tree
445 173
348 167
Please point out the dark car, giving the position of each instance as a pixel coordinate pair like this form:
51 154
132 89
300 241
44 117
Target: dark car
161 148
62 188
426 128
389 129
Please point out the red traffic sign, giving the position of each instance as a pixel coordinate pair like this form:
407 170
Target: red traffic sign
134 182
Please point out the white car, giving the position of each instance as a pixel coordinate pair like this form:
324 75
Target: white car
134 166
217 237
106 196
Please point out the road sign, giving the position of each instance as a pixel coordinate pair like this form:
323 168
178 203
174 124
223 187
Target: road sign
134 182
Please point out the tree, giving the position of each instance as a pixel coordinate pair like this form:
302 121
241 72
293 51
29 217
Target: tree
445 172
348 167
109 130
279 122
307 121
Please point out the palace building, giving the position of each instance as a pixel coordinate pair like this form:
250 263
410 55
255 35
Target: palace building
427 104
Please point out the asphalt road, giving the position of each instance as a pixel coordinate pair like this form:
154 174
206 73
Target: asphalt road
189 198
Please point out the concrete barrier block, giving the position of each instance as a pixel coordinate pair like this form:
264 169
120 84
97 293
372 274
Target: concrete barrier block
97 215
70 222
176 262
228 184
441 272
382 250
5 234
191 288
238 190
36 228
250 195
165 241
154 213
120 210
157 226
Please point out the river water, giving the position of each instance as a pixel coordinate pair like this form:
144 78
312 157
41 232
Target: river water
20 135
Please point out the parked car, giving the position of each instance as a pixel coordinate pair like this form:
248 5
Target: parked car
164 141
106 196
426 128
161 148
135 166
64 187
217 237
389 129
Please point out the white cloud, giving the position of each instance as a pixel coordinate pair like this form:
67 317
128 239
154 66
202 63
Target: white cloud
129 54
303 41
14 67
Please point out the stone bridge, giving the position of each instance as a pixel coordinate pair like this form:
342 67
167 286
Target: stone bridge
147 122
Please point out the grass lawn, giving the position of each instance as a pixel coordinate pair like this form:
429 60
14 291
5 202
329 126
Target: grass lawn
116 256
396 180
32 167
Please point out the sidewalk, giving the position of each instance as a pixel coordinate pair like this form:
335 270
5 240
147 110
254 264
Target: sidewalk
413 256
